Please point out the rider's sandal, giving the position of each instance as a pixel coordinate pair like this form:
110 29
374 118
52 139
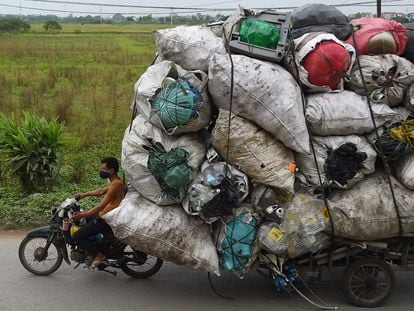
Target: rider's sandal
97 262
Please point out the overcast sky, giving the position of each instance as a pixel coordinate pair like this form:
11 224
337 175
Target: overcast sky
399 6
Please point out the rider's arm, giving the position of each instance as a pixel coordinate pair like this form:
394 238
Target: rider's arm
94 193
110 193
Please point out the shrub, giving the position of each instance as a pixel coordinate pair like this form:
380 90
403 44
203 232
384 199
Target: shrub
13 25
30 150
52 26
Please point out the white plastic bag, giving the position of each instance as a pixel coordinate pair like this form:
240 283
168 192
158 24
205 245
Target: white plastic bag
263 93
135 158
254 151
150 83
404 170
191 47
387 78
344 113
367 212
306 163
165 232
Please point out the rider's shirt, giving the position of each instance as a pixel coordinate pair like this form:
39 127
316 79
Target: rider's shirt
115 201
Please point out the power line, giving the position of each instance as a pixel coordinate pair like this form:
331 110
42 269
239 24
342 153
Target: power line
98 13
194 8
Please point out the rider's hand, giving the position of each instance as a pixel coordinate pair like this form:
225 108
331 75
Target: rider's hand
79 196
76 217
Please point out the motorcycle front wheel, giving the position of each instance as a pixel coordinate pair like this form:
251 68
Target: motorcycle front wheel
140 265
30 255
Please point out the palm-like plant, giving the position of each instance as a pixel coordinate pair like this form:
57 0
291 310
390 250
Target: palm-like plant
30 150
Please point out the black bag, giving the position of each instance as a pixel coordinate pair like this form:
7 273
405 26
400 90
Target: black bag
224 202
344 163
320 18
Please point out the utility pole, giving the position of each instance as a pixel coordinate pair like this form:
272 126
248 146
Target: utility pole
379 8
101 15
171 16
21 15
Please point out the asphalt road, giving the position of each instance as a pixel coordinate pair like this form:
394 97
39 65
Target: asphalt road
173 288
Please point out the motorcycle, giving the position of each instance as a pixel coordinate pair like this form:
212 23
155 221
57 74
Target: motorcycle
43 249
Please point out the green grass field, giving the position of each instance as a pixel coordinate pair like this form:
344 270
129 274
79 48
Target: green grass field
84 76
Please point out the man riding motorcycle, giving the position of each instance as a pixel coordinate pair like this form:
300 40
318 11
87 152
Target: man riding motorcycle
113 195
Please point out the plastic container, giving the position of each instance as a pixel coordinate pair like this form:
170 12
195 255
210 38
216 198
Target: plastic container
273 54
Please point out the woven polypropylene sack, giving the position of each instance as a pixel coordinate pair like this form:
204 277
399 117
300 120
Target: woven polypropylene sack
135 158
367 212
404 170
165 232
409 98
344 113
191 47
305 46
263 93
254 151
151 82
306 162
387 78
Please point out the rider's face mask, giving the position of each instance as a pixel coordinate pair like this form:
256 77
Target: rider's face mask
104 174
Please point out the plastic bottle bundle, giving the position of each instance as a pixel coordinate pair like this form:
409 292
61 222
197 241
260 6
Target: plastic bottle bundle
272 238
199 195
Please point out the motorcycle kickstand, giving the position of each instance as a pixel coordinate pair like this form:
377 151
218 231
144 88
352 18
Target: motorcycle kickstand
114 273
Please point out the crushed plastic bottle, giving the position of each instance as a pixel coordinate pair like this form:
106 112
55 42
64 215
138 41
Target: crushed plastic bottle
200 195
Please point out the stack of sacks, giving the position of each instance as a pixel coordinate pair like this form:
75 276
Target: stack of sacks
215 179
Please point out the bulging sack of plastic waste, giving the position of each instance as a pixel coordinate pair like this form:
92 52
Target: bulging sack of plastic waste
254 151
343 113
387 78
367 212
157 165
404 170
342 161
173 99
207 185
236 239
395 139
191 47
317 17
301 231
409 98
320 61
263 93
165 232
378 36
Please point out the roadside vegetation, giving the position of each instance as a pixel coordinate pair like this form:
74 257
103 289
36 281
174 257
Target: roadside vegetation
80 79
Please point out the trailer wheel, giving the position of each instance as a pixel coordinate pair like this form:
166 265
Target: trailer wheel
368 283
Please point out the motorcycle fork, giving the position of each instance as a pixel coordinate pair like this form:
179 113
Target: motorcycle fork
49 241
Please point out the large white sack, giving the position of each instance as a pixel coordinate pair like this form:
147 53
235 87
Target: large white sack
343 113
404 170
306 162
387 78
305 45
367 212
165 232
135 157
263 93
409 98
150 83
191 47
254 151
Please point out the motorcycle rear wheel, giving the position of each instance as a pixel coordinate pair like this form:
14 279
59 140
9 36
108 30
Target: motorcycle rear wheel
140 265
30 250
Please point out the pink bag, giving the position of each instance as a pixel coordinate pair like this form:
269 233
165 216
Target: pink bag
368 36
